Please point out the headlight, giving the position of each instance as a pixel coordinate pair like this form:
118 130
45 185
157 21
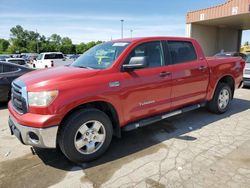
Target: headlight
41 99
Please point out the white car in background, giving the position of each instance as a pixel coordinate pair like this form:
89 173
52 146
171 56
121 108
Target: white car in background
18 61
246 75
50 59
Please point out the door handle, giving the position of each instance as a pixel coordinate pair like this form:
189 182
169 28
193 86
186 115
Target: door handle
164 74
202 68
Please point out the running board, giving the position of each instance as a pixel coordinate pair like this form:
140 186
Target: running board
148 121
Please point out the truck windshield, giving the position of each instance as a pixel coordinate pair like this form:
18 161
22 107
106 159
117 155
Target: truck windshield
40 56
101 56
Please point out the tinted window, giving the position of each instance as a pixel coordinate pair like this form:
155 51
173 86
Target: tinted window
152 50
9 68
59 56
181 51
1 68
53 56
19 62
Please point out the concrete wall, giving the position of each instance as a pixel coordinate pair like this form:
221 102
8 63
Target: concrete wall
214 39
206 36
228 39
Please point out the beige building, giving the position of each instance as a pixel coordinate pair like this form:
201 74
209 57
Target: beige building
220 27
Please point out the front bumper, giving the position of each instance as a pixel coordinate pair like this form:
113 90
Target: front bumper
38 137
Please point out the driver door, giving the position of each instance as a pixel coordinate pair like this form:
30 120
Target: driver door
147 91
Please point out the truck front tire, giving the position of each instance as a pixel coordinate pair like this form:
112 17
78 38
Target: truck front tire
221 99
85 135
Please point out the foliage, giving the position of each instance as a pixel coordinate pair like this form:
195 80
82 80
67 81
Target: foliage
22 40
4 44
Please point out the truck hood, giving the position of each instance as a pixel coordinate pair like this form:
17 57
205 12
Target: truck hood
54 77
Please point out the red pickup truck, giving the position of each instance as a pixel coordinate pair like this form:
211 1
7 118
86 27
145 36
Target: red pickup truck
118 86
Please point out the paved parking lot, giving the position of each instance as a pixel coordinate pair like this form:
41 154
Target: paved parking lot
196 149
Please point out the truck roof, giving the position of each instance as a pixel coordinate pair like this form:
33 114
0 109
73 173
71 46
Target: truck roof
152 38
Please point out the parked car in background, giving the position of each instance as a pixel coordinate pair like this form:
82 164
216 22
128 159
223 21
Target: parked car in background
18 61
136 82
50 59
74 56
231 54
246 75
29 57
4 57
245 49
9 72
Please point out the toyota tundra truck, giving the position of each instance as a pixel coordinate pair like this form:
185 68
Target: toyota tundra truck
118 86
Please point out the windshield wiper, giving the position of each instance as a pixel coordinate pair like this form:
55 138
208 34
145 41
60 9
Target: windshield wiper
84 67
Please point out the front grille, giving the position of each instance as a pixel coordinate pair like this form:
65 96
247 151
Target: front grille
17 98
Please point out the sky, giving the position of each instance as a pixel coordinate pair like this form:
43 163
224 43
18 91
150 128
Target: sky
92 20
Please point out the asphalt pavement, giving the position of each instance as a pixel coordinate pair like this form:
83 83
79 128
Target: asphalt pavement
195 149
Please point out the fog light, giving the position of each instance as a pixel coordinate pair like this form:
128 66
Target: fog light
33 136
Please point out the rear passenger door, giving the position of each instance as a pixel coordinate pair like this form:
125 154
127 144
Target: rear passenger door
190 74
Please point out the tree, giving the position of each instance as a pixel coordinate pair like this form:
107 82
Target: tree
22 40
90 44
66 41
246 43
55 38
18 39
80 48
4 44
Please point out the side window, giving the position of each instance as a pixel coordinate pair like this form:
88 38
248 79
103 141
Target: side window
50 56
59 56
152 50
19 62
9 68
181 51
1 68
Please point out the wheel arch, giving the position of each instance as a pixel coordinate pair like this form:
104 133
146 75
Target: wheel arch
103 106
228 79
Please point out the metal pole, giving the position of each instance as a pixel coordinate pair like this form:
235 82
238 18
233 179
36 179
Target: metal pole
37 45
122 28
131 33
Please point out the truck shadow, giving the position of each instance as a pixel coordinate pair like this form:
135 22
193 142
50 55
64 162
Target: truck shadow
144 141
3 105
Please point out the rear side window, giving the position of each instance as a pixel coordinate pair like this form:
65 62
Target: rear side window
181 51
59 56
53 56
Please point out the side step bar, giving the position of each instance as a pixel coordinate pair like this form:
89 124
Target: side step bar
148 121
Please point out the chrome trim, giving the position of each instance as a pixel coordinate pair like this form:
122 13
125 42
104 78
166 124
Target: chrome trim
114 84
20 85
171 114
47 136
25 96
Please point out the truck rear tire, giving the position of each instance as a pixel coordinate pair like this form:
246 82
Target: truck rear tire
85 135
221 99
